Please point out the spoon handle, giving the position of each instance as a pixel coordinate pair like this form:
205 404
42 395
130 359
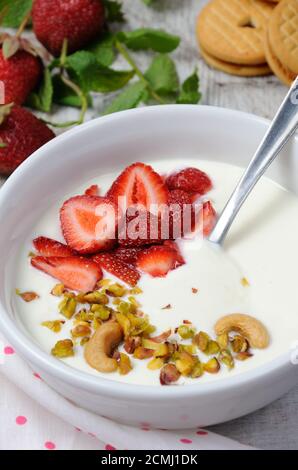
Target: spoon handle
281 129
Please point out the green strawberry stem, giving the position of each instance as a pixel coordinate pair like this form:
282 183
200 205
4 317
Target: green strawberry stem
74 87
124 52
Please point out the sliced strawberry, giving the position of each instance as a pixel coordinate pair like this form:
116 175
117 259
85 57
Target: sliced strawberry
182 213
207 218
158 260
74 272
116 267
93 190
190 180
89 223
173 245
140 185
141 228
49 247
128 255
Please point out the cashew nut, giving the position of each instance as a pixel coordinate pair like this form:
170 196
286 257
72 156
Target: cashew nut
100 347
248 326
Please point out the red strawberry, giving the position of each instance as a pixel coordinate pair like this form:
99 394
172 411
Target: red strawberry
78 21
20 74
117 268
190 180
207 218
158 260
74 272
140 185
89 223
141 228
93 190
21 133
127 255
49 247
173 245
182 213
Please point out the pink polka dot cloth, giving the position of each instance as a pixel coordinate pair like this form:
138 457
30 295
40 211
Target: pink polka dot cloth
33 416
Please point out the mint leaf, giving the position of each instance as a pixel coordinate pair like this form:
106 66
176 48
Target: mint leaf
162 75
65 96
42 98
130 98
15 12
147 38
114 11
91 75
103 49
190 93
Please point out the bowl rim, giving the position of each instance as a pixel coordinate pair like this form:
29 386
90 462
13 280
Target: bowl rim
106 386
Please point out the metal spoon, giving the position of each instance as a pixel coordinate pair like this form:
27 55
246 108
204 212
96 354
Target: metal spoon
280 131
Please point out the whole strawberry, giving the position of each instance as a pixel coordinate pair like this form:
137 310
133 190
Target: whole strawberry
78 21
20 74
21 133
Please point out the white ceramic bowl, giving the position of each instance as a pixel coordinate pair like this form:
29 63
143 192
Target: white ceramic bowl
111 143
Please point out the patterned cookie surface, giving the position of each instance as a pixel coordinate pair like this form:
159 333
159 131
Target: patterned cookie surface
283 34
278 68
234 30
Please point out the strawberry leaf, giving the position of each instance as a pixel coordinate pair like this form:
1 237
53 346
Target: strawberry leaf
190 93
91 75
15 12
65 96
103 49
130 98
42 98
162 75
114 11
147 38
10 46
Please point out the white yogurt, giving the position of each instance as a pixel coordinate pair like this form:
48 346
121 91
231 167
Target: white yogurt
261 247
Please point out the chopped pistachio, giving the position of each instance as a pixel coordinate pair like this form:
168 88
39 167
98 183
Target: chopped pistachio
162 350
63 348
212 366
166 307
223 340
96 323
84 340
124 364
212 348
124 323
149 344
186 331
54 325
245 282
134 301
198 370
239 344
162 337
116 301
201 340
83 315
95 297
67 306
131 343
116 290
101 311
185 363
155 363
31 254
27 296
126 307
81 330
104 283
58 290
169 374
189 348
142 353
135 291
226 358
242 356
